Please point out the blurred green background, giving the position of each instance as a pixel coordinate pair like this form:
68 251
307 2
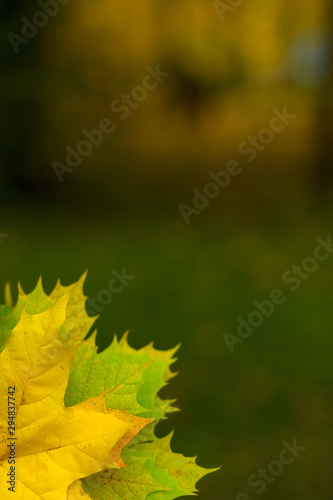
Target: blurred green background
119 208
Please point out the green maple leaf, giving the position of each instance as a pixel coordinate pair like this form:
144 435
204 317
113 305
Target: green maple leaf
155 376
91 375
131 482
155 472
176 473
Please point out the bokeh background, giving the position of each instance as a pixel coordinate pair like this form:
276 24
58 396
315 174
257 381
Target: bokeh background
119 208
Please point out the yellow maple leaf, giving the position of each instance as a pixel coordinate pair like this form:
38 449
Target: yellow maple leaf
53 446
77 323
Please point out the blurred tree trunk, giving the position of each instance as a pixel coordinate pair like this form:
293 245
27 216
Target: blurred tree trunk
324 144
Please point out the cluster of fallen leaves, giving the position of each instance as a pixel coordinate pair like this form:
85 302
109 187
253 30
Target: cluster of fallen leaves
84 420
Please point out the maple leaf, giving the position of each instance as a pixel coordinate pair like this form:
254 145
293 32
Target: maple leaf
78 323
85 428
153 471
178 474
130 378
54 445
